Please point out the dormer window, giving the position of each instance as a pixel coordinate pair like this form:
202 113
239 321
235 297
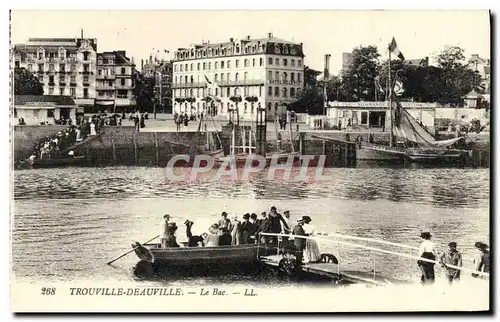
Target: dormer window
237 49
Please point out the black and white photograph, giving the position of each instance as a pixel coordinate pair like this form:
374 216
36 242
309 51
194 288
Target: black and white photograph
250 161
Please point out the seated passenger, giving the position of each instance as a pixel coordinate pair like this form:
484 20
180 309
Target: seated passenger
193 241
212 237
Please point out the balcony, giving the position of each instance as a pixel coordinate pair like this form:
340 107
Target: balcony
190 85
283 82
62 72
87 72
105 87
73 84
123 75
86 83
62 83
105 76
120 86
51 84
72 59
50 72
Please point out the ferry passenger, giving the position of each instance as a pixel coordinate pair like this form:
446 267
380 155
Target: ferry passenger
224 230
212 237
452 257
167 237
275 224
193 241
311 251
246 229
253 226
235 232
426 250
482 259
299 243
286 223
265 227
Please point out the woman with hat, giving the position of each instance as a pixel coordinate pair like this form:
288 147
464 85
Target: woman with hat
311 252
482 259
212 237
426 250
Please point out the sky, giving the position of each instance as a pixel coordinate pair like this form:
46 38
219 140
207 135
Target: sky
140 33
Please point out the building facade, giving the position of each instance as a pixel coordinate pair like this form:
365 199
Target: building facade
244 74
483 67
44 109
65 66
114 81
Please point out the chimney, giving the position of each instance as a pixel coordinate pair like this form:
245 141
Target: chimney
269 35
142 64
81 32
231 39
248 37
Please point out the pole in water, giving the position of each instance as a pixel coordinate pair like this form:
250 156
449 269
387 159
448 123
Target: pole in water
133 249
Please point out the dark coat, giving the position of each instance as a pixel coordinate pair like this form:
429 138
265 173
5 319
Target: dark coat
246 229
300 243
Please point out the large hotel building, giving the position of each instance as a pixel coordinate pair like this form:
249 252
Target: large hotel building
246 74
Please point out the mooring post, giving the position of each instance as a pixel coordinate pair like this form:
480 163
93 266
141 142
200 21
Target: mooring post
156 149
135 148
324 147
114 149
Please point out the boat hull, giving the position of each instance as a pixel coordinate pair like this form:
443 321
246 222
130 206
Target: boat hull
378 152
241 159
426 156
199 256
59 162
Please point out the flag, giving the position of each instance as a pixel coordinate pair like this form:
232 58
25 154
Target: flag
377 85
398 86
393 48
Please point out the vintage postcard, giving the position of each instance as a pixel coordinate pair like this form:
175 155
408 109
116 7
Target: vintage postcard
250 161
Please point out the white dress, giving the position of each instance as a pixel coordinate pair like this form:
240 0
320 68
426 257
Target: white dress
92 129
311 252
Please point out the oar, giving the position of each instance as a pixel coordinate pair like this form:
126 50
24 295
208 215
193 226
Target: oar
109 263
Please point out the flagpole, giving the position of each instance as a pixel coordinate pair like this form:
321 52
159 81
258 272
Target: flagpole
390 100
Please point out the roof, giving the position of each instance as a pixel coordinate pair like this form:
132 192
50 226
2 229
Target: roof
120 57
473 93
44 99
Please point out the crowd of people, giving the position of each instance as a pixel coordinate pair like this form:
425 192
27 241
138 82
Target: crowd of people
248 231
51 145
183 119
451 260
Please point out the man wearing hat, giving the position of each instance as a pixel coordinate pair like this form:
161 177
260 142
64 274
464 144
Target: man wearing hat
193 240
246 229
482 259
286 223
167 232
299 243
426 251
452 257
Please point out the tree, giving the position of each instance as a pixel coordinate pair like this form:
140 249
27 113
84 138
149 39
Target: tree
457 78
359 77
309 98
25 83
143 92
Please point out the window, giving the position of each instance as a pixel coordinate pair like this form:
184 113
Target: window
277 91
209 65
191 66
285 78
73 79
123 81
253 62
110 83
99 72
50 112
186 67
40 67
364 118
217 91
292 92
73 67
275 108
30 67
198 92
228 92
277 62
260 91
191 80
61 91
62 67
85 79
285 92
216 78
209 91
292 77
51 79
277 76
62 78
269 106
182 68
123 70
237 50
292 62
191 92
236 77
228 64
222 77
216 65
222 64
198 66
285 62
269 61
204 92
245 63
51 90
175 68
204 65
298 78
51 67
270 91
246 107
299 63
245 75
72 92
86 67
86 56
221 92
228 77
185 79
270 75
175 80
237 63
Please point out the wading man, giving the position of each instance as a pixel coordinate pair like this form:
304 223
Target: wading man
452 257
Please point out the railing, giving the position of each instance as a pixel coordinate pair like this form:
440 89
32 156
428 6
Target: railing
374 250
248 82
283 82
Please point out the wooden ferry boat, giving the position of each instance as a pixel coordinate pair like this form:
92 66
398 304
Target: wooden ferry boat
193 256
54 162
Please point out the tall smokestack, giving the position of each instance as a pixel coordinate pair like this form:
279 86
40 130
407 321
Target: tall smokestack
82 33
326 73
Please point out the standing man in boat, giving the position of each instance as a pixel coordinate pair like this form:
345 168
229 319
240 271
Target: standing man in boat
286 223
193 240
224 230
276 222
426 251
299 243
165 236
246 229
265 227
452 257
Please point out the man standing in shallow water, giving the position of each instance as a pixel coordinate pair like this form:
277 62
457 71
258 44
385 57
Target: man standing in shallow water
452 257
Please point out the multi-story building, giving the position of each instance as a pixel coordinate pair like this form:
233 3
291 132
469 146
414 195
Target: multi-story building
482 66
114 81
244 74
160 72
65 66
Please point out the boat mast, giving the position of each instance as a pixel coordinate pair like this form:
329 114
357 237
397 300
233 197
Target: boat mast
390 100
